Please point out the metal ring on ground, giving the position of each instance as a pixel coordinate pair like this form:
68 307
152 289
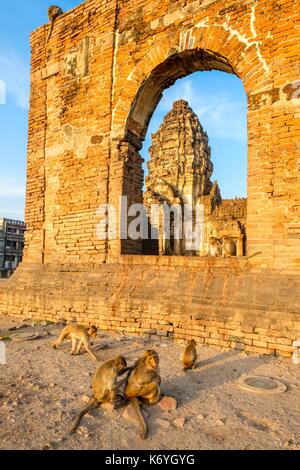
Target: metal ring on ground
261 384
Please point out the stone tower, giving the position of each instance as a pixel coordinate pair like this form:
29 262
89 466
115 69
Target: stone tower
180 168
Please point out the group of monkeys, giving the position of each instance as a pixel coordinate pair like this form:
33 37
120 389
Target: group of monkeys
141 380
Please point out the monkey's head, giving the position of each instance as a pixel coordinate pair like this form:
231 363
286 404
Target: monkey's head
192 342
54 11
92 331
120 364
152 358
213 240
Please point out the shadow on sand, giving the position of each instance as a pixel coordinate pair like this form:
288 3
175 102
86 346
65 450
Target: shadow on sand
211 377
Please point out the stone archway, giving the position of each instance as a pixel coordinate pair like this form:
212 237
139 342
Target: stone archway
94 85
175 66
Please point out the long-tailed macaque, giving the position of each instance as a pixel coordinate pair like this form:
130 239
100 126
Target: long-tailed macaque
228 246
53 13
78 333
189 356
105 386
143 382
215 247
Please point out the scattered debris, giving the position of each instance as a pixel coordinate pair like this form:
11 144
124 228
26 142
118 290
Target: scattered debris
82 430
201 417
163 423
85 398
109 407
179 422
167 403
221 421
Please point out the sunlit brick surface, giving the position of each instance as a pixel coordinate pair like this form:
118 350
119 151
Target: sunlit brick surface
94 87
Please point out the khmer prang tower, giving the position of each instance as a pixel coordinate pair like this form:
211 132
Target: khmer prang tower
179 173
180 167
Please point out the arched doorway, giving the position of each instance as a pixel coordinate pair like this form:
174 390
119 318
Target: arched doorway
195 152
177 65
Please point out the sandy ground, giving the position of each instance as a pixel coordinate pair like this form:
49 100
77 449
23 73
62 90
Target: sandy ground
41 390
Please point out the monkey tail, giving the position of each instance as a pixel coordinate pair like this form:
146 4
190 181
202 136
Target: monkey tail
254 254
136 406
92 405
50 31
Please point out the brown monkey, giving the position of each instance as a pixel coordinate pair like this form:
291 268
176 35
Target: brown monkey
104 386
189 356
78 333
144 382
53 13
215 247
228 246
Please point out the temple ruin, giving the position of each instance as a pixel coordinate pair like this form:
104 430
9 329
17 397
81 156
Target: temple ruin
94 87
179 173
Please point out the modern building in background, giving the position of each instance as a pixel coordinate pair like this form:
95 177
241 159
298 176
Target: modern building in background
11 245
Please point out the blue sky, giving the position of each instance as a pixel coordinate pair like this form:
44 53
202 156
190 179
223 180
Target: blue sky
218 99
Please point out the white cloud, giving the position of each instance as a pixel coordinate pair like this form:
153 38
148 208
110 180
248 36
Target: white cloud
11 188
221 114
14 72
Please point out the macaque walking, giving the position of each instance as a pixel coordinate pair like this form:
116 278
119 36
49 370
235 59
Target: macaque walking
80 334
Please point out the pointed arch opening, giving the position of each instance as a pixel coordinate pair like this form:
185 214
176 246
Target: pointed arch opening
186 179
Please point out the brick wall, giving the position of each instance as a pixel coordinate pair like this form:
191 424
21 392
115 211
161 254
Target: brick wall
223 303
94 87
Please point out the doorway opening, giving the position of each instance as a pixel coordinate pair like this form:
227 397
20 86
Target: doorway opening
195 153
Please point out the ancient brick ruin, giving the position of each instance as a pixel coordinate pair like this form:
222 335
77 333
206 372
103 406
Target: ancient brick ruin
180 171
94 87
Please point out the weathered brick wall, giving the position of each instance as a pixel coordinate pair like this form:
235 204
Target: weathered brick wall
69 126
94 87
223 303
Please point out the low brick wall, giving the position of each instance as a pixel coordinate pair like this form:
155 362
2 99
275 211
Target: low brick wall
219 302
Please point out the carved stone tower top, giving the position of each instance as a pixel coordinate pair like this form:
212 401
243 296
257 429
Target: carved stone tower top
180 167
